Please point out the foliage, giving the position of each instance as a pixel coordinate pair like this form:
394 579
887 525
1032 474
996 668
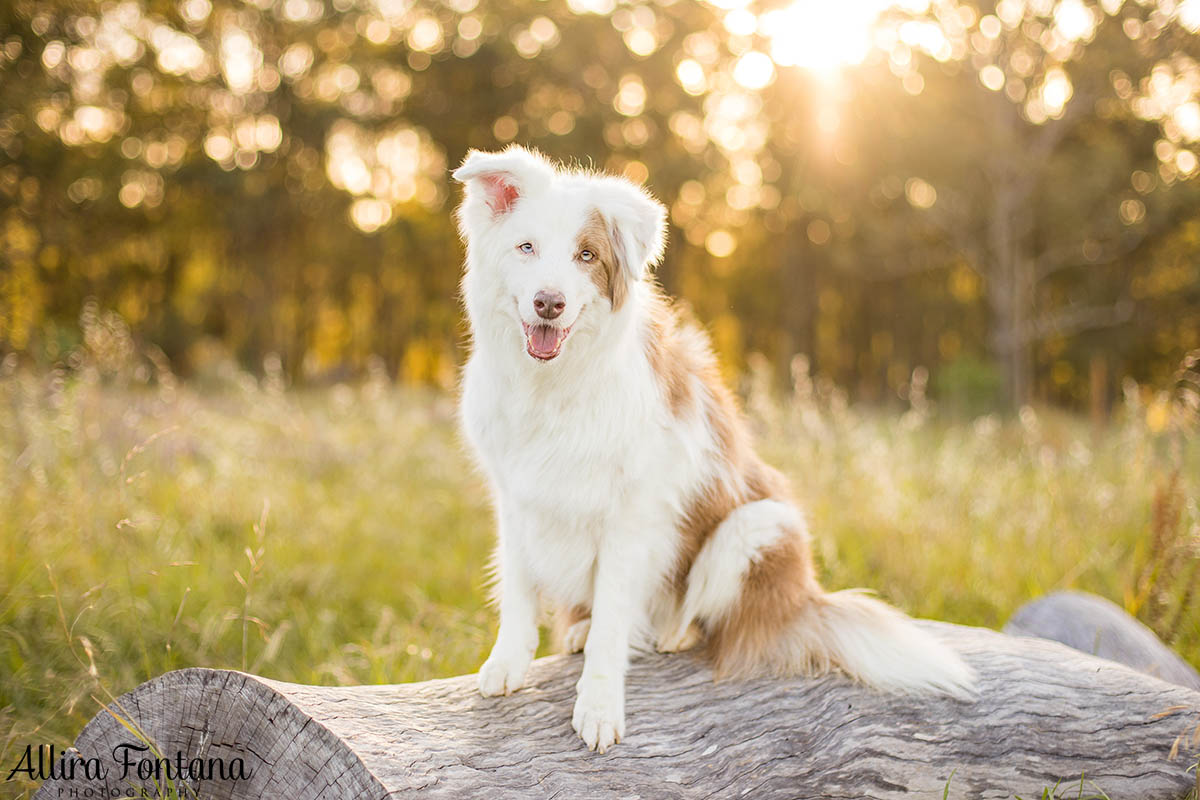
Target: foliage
876 185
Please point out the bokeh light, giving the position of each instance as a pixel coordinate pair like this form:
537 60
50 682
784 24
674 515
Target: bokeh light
752 121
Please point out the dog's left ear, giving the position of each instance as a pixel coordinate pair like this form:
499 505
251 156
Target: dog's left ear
637 225
496 182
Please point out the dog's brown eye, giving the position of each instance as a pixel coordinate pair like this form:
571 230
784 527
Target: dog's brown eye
587 255
525 247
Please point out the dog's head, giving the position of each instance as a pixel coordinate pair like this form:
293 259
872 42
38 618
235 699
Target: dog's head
555 250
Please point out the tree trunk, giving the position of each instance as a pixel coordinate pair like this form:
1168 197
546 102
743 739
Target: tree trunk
1046 714
1010 295
1098 390
798 302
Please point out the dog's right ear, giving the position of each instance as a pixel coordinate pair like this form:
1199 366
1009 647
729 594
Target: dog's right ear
496 182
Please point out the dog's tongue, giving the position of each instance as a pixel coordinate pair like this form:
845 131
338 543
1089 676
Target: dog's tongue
544 340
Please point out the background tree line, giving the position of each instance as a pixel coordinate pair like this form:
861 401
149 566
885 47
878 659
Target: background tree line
997 195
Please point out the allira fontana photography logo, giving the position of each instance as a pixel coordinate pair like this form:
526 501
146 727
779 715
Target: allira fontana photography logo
126 763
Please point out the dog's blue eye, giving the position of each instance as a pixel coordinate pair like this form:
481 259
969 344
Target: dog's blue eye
525 247
587 255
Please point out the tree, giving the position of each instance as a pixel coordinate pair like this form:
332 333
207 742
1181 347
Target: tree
877 191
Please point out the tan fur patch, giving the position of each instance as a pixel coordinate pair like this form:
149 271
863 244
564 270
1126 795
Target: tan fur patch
709 507
605 268
741 476
781 584
779 587
676 354
576 614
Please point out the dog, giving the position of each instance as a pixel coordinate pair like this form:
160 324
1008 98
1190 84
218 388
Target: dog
627 494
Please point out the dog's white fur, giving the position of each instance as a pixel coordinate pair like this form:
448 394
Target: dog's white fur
623 485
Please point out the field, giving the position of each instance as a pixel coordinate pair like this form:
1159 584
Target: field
340 535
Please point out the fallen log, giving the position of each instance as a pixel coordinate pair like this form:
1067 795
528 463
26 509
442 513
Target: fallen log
1094 625
1046 716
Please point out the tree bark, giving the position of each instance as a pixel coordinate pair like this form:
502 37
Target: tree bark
1046 714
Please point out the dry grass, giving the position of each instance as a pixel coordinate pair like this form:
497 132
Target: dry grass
340 536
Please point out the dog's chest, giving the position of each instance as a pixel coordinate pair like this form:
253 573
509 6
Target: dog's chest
575 469
564 453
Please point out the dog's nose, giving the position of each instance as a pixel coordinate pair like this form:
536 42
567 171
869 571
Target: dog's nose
549 305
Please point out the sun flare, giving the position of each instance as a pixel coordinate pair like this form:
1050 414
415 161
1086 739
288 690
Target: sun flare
815 35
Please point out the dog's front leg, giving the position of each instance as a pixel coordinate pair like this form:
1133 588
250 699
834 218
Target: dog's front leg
504 671
618 608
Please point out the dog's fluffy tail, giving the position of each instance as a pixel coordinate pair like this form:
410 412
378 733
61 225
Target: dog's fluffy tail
874 644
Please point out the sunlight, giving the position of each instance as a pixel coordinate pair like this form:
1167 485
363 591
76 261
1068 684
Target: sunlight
824 37
821 36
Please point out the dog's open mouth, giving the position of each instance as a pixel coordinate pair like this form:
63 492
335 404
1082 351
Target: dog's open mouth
544 342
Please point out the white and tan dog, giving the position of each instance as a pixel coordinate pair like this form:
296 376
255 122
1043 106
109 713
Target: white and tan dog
626 491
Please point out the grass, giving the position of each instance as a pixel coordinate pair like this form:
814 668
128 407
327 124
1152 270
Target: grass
1053 793
341 536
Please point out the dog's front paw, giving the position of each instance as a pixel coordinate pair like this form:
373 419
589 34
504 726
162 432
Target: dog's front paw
503 673
599 716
